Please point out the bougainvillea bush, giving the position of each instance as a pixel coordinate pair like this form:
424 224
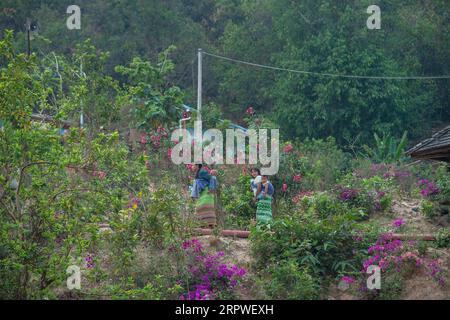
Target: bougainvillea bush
207 277
398 260
373 194
435 193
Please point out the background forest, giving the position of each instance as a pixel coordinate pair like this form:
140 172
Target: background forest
319 36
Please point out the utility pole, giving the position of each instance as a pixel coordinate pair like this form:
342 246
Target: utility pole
83 75
198 130
28 26
199 84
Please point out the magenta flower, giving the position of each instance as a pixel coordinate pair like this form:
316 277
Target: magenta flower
348 280
381 194
348 194
193 244
89 259
208 276
398 223
428 188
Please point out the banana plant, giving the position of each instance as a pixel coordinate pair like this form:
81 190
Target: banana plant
387 149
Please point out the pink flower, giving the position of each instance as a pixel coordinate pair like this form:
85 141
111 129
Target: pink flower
169 153
288 148
99 174
383 264
297 178
156 141
250 111
284 187
143 139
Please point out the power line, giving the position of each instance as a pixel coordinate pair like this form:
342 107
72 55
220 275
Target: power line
326 74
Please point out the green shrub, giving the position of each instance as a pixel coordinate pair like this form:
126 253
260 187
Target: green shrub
149 292
323 205
320 163
288 281
392 286
237 202
429 209
325 246
443 183
443 238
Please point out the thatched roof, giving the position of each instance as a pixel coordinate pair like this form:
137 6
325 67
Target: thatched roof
435 148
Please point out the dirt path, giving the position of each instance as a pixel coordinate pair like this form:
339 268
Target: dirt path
409 211
237 251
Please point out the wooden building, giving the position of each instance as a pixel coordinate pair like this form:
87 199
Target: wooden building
435 148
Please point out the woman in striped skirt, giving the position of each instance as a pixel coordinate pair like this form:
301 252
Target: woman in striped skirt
203 191
264 196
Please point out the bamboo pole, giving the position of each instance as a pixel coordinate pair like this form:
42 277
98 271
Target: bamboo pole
224 233
245 234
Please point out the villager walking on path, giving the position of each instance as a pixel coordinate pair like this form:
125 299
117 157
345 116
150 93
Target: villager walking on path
202 191
263 191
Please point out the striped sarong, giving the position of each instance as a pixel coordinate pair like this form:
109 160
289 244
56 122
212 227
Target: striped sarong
264 211
205 209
